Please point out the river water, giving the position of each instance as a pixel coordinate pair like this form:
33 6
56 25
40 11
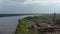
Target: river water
8 24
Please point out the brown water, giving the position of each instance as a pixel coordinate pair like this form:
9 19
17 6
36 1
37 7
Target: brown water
8 24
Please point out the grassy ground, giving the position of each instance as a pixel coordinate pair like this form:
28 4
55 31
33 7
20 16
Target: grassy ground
25 24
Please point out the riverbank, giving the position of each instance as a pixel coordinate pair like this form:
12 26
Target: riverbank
25 25
37 25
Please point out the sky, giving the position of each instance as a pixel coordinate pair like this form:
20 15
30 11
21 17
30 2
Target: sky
29 6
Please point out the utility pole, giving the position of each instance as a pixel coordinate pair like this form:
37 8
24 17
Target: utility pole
54 18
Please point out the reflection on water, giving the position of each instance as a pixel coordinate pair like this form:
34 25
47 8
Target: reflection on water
8 24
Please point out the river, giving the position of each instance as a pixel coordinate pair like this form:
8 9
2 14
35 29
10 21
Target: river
8 24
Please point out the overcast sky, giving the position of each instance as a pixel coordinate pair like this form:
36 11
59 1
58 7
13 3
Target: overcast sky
29 6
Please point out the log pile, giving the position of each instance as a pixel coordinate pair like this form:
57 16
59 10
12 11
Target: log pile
44 28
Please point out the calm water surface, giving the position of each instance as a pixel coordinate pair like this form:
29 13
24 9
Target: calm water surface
8 24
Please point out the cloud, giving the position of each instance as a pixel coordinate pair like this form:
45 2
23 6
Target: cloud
56 2
29 6
19 0
39 1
